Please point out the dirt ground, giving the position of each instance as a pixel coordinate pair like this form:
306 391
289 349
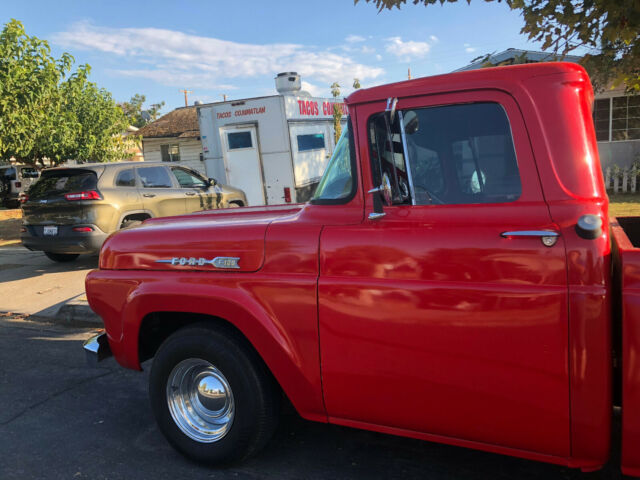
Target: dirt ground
10 222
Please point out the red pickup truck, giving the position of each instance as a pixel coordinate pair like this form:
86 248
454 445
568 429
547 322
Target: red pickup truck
451 280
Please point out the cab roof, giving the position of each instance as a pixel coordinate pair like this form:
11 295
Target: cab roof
471 79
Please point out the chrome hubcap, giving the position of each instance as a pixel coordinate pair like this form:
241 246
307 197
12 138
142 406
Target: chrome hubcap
200 400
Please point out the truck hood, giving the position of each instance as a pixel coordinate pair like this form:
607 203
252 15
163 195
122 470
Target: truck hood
223 240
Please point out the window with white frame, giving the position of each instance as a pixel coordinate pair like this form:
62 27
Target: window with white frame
617 118
170 153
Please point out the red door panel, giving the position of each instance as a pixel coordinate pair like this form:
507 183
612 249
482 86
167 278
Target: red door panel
431 321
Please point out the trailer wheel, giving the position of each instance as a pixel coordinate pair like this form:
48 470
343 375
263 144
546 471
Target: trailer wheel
212 397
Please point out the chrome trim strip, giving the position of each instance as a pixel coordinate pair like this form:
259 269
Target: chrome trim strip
406 158
530 233
218 262
376 216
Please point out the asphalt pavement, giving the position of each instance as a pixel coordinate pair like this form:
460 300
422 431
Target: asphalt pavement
61 419
32 284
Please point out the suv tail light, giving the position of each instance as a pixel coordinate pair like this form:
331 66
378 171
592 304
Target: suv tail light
82 229
90 195
17 184
23 198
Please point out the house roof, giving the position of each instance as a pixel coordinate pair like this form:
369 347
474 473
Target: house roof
181 123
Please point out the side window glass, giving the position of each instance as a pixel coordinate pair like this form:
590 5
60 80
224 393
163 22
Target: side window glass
29 172
154 177
126 178
10 173
188 180
387 156
461 154
312 141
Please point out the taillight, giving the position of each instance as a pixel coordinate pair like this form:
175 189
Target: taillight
17 184
287 194
23 198
90 195
82 229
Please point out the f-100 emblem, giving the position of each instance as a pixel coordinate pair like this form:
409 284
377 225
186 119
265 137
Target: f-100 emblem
218 262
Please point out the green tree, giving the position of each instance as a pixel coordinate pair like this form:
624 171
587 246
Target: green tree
356 83
138 117
337 112
609 29
29 77
48 112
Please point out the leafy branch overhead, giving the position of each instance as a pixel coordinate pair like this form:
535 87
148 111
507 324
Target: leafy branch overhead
135 113
608 29
48 111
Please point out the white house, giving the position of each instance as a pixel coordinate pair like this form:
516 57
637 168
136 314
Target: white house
174 137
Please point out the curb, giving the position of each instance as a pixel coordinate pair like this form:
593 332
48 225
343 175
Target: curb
77 313
73 313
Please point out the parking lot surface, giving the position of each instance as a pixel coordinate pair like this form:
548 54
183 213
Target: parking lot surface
61 419
31 284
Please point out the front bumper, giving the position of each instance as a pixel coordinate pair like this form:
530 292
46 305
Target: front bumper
67 241
97 349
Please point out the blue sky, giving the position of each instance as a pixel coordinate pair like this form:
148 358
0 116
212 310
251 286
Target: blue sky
236 47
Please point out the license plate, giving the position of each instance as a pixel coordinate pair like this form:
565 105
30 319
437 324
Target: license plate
51 230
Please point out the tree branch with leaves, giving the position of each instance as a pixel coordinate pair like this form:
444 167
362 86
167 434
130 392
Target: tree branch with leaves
608 29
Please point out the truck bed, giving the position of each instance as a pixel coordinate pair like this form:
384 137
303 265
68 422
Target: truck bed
625 233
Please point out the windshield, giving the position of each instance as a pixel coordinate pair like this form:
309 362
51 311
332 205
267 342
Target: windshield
337 182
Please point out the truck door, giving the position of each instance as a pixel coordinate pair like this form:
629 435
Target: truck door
447 316
242 162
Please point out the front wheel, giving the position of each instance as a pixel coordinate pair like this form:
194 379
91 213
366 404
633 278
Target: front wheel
61 257
213 398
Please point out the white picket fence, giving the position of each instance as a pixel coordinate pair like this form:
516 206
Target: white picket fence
621 180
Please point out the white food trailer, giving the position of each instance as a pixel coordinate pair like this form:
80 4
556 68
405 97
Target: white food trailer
275 148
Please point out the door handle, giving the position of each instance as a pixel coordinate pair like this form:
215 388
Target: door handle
149 195
548 237
191 194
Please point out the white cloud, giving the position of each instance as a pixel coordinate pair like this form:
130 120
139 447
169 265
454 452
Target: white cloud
354 38
434 39
367 50
468 48
180 59
378 57
407 50
314 90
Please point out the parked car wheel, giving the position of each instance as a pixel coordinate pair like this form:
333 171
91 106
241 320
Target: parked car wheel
213 398
130 223
62 257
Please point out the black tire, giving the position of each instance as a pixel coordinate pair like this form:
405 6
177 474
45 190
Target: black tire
130 223
255 394
62 257
12 204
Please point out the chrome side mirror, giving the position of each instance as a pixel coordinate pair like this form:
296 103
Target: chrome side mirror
384 189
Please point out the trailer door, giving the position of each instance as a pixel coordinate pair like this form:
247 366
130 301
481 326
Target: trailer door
312 146
242 161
